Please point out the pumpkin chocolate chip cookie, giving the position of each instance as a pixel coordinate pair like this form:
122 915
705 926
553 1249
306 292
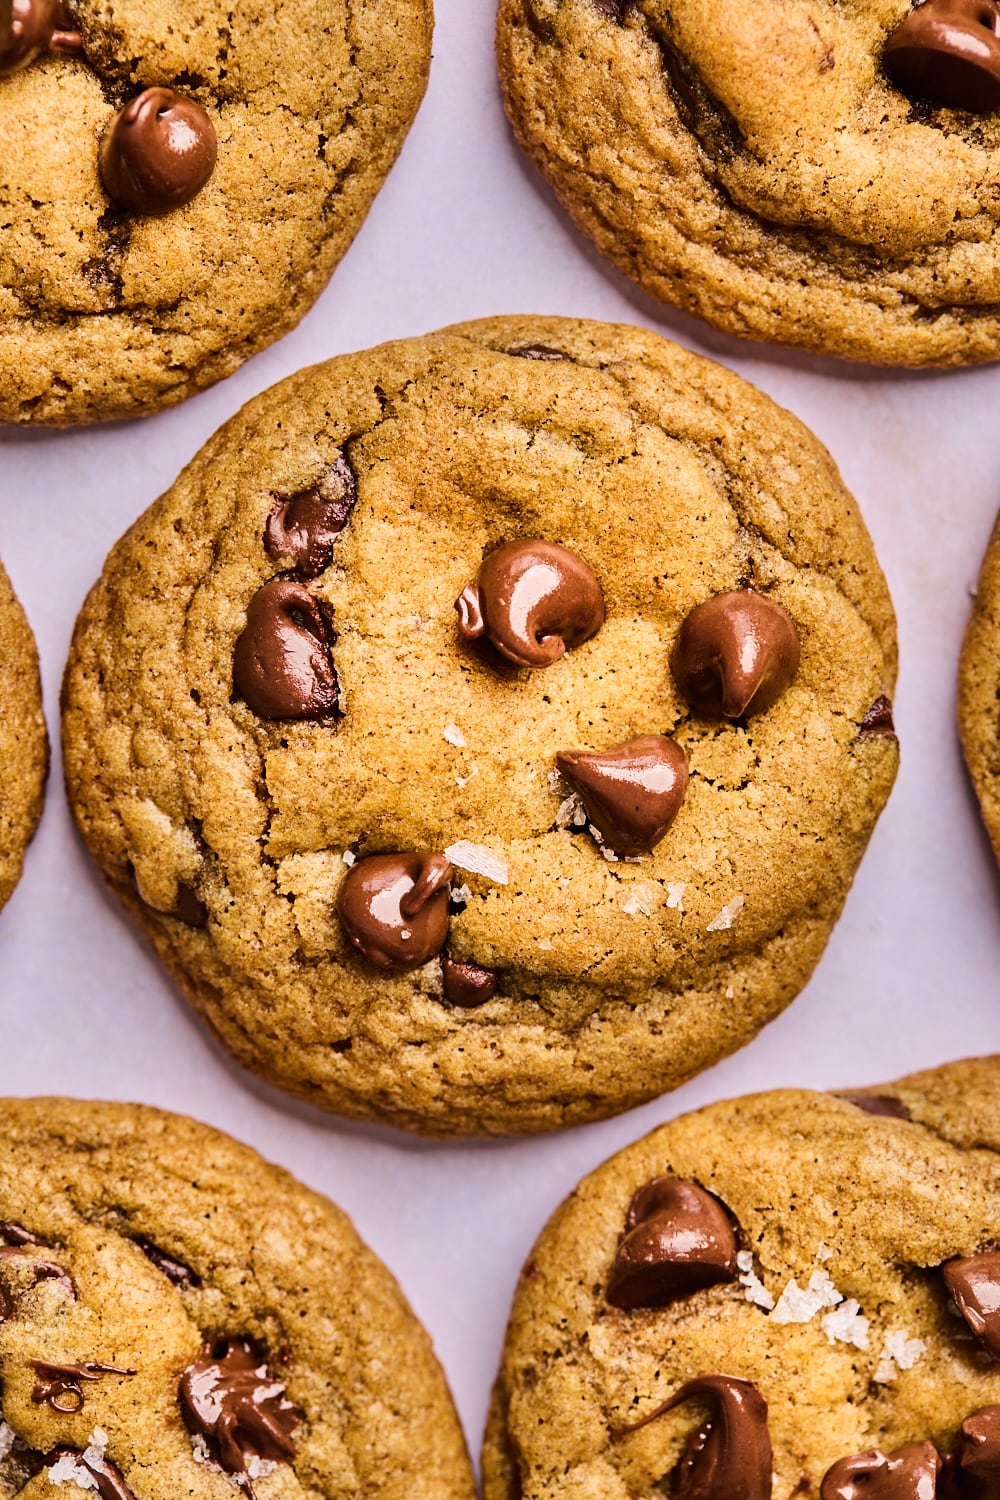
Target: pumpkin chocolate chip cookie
486 738
179 1318
792 1294
179 181
24 745
802 171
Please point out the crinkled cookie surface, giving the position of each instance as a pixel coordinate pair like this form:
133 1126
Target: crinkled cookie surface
106 313
24 748
225 833
754 164
146 1261
837 1310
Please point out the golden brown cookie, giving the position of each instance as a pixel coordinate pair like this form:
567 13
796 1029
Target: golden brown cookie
24 746
178 183
802 171
485 729
792 1284
979 690
179 1318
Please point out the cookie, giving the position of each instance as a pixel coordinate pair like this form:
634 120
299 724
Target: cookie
179 182
24 746
180 1318
979 690
793 1284
485 728
800 171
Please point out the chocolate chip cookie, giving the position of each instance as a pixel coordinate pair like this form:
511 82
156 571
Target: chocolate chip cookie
801 171
485 728
979 690
790 1294
24 746
180 1318
178 183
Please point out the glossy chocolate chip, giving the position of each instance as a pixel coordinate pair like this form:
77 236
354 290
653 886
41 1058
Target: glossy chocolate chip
61 1386
230 1398
282 667
174 1270
16 1234
302 528
729 1457
878 720
157 153
909 1473
980 1443
536 351
878 1104
735 655
466 984
394 908
974 1282
533 600
679 1240
948 52
632 792
30 27
92 1473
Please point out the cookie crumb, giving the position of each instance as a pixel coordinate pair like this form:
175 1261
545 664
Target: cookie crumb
479 860
727 916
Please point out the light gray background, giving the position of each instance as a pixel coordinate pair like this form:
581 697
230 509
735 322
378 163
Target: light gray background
462 229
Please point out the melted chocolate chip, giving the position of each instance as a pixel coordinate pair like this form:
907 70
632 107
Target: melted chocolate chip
878 720
394 908
174 1270
729 1457
735 655
282 667
59 1386
878 1104
40 1270
948 52
229 1396
466 984
108 1480
974 1282
189 907
16 1234
614 8
679 1239
304 527
980 1450
158 152
30 27
536 351
533 600
633 792
909 1473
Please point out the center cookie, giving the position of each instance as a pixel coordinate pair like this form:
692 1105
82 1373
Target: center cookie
485 729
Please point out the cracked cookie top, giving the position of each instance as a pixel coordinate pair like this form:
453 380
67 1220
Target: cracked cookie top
487 741
24 746
178 1317
177 186
808 172
791 1294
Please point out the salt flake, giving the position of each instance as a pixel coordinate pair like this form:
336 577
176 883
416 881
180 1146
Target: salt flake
898 1353
478 859
756 1292
800 1304
847 1325
69 1469
463 781
727 916
349 858
675 894
454 736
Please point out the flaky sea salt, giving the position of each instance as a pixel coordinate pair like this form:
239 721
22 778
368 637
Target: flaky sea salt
545 946
730 992
675 894
756 1291
349 858
727 916
479 860
898 1353
823 1251
461 893
454 736
800 1304
70 1470
847 1325
568 810
259 1468
199 1449
639 899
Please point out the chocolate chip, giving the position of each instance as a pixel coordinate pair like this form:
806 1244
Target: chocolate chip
533 600
948 52
394 908
174 1270
189 907
980 1446
974 1282
59 1386
103 1476
30 27
158 152
909 1473
230 1398
614 8
729 1457
38 1269
679 1239
878 1104
466 984
304 527
282 667
16 1234
878 719
536 351
735 655
632 792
